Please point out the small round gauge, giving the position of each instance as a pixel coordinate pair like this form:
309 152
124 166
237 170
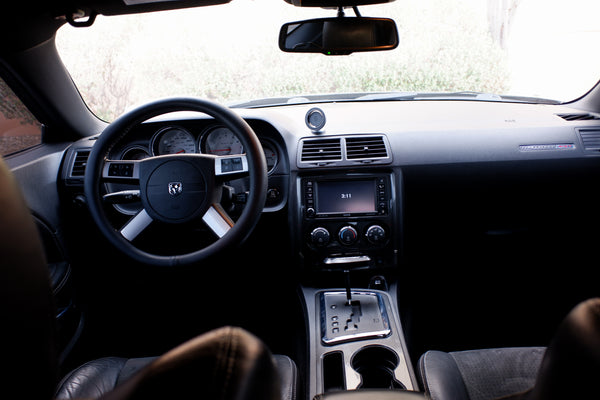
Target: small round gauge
135 153
173 140
270 155
221 141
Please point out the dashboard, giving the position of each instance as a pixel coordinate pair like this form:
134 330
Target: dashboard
342 184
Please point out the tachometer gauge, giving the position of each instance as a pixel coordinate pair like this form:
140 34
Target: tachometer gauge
135 153
221 141
173 140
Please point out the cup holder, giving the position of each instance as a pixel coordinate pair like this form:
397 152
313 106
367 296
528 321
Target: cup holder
376 365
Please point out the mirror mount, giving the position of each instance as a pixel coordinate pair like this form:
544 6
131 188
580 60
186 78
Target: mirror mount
342 13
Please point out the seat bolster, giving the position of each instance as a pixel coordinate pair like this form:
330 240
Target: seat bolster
91 380
288 374
441 377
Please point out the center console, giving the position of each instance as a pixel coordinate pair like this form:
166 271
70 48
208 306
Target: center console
355 343
348 220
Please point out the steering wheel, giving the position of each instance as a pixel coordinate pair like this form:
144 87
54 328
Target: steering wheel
178 188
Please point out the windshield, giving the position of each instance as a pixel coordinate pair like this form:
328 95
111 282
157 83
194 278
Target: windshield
229 53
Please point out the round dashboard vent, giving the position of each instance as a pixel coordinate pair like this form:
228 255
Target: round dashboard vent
315 119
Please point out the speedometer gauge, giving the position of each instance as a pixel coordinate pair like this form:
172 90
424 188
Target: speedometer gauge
173 140
221 141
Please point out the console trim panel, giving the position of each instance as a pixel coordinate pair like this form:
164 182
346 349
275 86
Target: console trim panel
374 321
347 350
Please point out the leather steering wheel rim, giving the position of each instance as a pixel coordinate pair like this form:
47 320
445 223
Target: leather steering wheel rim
257 171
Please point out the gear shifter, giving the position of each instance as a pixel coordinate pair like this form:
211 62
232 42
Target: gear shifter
348 290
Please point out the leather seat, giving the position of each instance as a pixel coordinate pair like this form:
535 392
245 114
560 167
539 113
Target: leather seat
98 377
227 363
479 374
567 369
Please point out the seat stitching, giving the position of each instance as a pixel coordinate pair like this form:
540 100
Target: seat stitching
230 360
220 359
292 391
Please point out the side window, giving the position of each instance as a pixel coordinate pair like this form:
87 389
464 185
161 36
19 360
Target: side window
19 129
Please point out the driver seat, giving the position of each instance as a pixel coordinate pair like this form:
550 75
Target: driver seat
227 363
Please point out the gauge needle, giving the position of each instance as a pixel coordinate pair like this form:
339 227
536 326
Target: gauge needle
227 149
180 151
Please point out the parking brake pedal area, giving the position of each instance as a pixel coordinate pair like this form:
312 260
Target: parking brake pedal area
364 317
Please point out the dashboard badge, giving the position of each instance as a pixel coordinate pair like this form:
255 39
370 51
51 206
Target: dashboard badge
175 188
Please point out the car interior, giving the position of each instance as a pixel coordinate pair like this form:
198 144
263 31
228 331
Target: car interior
366 245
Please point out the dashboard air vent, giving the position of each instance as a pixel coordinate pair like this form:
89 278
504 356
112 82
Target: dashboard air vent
590 138
365 147
79 163
315 150
578 117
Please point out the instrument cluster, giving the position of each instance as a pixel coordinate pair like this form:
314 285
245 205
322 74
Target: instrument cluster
214 139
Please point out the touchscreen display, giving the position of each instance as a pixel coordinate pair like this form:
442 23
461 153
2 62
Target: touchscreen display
346 197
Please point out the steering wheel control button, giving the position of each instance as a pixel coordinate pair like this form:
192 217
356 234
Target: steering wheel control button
231 164
376 234
121 170
348 235
320 236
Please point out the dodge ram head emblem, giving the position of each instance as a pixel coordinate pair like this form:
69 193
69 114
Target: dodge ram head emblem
175 188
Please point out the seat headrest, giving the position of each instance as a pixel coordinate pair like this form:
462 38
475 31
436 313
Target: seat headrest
571 366
227 363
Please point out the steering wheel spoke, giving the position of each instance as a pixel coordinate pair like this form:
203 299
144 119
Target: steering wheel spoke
217 220
136 225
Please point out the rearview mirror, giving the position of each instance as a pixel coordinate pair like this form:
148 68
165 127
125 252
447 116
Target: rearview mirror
339 36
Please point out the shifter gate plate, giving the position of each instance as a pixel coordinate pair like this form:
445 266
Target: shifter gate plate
365 317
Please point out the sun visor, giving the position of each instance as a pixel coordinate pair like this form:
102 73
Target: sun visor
116 7
140 2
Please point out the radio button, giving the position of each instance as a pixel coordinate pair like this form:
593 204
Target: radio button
348 235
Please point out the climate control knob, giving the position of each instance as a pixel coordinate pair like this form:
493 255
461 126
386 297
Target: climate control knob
319 236
348 235
375 234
